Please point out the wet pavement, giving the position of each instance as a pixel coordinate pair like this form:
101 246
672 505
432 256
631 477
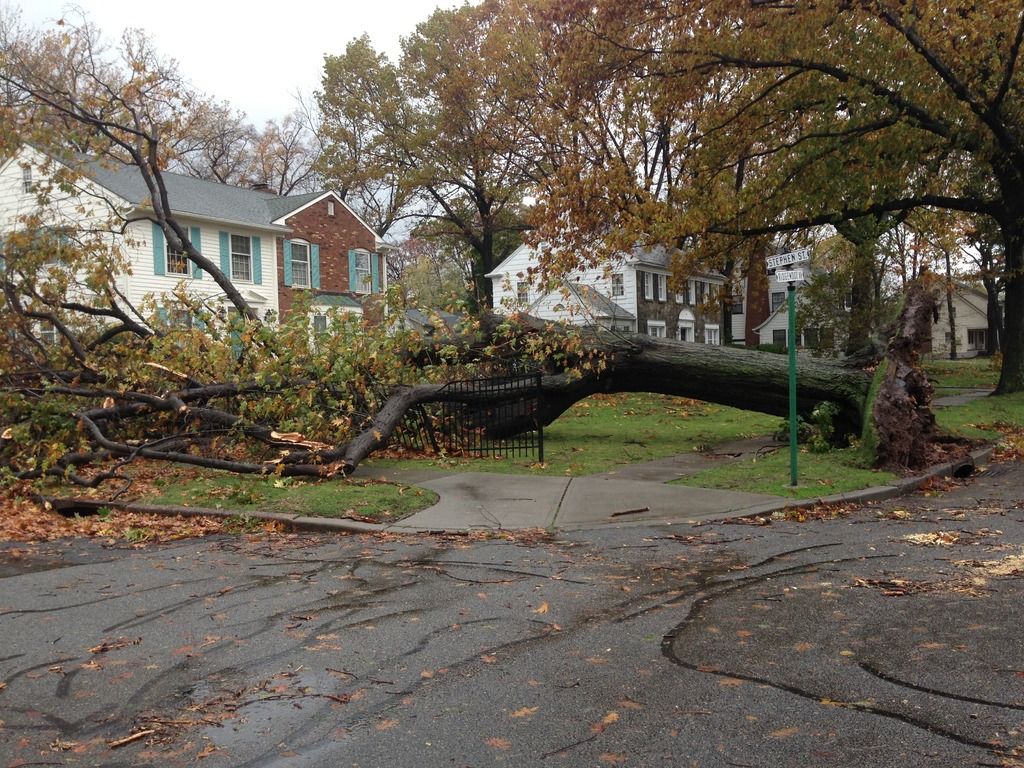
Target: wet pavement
890 637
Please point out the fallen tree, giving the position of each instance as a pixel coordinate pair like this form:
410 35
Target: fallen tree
89 382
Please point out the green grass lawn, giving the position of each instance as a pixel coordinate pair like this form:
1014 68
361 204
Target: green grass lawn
604 431
975 419
818 474
958 375
327 498
594 436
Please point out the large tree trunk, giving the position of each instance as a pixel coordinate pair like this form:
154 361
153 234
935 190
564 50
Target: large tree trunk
901 415
950 308
1011 378
733 376
994 315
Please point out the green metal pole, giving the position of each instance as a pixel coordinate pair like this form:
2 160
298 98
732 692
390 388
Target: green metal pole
791 339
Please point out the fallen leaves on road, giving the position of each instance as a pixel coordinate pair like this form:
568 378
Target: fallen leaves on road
25 520
904 587
524 712
498 743
935 539
784 733
1012 565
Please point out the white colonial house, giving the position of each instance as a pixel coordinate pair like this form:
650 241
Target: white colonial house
629 294
273 248
230 225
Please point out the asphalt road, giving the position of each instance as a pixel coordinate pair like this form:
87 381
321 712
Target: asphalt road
818 643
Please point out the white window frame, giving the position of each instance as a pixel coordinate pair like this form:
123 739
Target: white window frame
364 277
307 262
654 326
977 334
522 292
782 299
683 296
785 337
28 186
712 334
180 318
178 257
648 286
238 276
330 207
47 333
661 287
319 322
618 285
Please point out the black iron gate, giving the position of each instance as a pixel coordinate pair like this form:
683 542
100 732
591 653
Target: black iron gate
495 416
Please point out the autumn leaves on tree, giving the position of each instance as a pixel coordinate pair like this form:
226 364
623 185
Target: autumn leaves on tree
721 128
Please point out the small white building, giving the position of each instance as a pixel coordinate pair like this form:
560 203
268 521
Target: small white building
970 319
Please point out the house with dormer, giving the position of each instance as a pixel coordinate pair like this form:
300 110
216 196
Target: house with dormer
630 294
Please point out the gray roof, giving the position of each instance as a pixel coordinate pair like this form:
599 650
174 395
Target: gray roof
336 300
655 255
599 304
187 195
421 320
282 206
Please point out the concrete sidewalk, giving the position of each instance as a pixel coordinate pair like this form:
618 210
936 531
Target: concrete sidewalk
489 501
634 494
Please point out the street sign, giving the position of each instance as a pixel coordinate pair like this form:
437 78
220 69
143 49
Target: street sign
789 275
793 257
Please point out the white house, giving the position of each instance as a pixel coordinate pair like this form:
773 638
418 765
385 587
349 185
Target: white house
775 328
629 294
230 225
970 319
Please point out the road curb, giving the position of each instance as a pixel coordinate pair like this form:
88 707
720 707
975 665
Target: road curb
299 522
900 487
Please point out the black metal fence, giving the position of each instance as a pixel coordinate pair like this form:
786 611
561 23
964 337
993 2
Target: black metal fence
493 416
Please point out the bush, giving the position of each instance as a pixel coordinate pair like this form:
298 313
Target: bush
818 433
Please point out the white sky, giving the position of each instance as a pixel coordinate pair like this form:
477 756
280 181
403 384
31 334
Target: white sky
256 55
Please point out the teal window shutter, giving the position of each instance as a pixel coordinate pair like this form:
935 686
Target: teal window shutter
353 280
314 266
197 242
162 316
225 254
375 273
287 262
257 261
159 251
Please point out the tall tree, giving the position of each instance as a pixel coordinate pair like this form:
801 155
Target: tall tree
445 128
219 147
837 111
284 157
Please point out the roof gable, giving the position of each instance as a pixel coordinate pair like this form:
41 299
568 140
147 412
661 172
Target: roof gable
283 208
